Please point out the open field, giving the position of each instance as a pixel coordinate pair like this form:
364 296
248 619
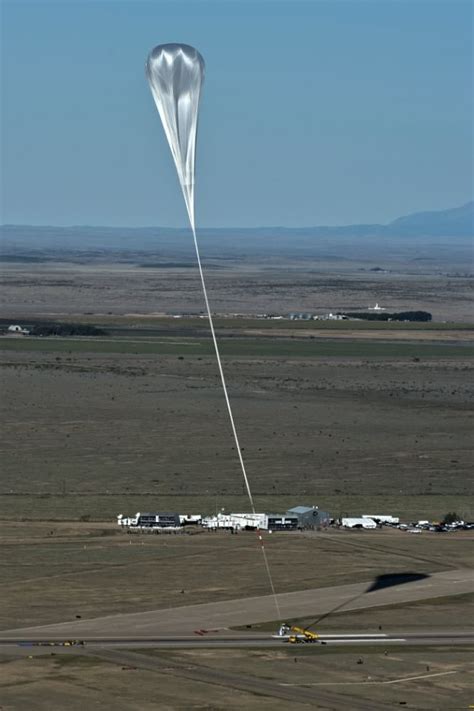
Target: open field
238 286
109 433
354 685
78 682
243 347
54 572
322 678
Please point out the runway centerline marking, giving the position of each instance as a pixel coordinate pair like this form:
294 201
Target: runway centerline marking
364 641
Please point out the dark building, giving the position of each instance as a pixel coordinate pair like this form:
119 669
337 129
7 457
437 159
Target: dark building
158 520
279 522
310 516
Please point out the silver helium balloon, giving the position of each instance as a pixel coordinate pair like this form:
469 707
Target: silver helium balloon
175 73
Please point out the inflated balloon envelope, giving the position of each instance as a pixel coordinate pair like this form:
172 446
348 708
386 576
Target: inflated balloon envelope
176 73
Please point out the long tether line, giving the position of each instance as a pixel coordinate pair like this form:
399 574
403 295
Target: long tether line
231 416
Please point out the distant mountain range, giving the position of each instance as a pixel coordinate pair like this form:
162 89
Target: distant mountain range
454 222
441 236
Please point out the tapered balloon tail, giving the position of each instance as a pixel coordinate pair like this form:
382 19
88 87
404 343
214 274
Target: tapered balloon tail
176 74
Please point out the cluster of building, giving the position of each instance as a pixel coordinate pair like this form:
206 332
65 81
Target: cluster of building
300 517
305 316
315 317
297 518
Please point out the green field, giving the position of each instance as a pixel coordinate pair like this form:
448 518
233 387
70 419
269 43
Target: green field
240 347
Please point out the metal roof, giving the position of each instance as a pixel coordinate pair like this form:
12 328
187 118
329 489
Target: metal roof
302 509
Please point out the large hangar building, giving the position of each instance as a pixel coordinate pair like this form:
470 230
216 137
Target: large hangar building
310 516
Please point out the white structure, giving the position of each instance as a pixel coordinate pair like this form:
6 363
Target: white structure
221 521
18 330
382 518
189 518
150 521
333 317
127 521
236 521
376 308
358 523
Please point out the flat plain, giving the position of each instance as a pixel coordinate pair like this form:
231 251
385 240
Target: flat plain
108 433
356 418
332 678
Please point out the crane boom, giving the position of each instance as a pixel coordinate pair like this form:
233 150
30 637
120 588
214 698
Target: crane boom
297 634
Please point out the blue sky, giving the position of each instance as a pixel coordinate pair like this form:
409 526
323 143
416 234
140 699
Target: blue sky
315 112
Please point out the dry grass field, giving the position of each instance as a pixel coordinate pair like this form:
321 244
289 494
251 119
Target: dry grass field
75 683
238 285
199 680
56 571
97 434
355 685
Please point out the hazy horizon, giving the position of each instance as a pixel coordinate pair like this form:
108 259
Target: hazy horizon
184 226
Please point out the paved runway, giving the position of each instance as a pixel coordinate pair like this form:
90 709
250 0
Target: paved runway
444 638
184 621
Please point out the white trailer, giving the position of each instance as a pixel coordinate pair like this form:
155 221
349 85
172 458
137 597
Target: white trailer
189 518
128 521
383 518
250 520
236 521
221 521
358 523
